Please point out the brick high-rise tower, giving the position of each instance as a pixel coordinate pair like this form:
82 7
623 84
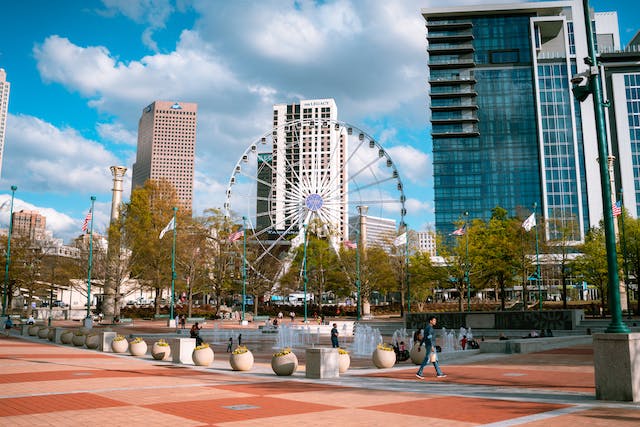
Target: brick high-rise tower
166 147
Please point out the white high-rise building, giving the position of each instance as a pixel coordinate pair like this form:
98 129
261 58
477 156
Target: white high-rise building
306 168
4 107
427 242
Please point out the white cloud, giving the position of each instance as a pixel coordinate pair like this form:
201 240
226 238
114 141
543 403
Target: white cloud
413 164
47 159
117 133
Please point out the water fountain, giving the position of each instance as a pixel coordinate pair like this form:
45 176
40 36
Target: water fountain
290 336
365 340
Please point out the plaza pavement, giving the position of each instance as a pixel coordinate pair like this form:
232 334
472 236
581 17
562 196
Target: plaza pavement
45 384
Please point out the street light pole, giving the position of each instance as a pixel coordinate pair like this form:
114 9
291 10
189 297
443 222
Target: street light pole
5 289
357 274
304 272
594 87
93 201
466 260
244 266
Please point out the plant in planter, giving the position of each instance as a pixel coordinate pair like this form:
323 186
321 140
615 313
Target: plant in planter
202 355
138 347
119 344
78 338
92 340
241 359
344 360
66 337
384 356
161 350
284 362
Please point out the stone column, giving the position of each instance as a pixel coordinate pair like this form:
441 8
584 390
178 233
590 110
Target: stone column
109 309
362 247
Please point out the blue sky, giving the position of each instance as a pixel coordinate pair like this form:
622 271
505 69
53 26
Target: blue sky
81 71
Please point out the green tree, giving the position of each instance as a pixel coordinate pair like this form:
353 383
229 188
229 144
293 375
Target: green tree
591 264
496 252
148 212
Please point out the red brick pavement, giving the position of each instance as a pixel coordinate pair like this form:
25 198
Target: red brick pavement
46 384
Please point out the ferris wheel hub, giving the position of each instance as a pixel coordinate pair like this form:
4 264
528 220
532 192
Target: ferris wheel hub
314 202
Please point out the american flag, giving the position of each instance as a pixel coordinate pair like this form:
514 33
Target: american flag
617 209
87 220
236 236
460 231
349 244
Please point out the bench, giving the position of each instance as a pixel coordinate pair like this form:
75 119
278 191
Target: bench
196 319
123 320
160 316
260 318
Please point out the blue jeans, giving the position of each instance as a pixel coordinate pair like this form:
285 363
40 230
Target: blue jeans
429 350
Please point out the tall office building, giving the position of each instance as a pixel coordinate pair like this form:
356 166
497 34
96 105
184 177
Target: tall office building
506 129
166 147
622 89
427 242
305 165
5 86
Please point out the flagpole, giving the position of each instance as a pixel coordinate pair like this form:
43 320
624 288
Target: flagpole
5 289
244 266
173 263
93 200
406 262
625 265
538 278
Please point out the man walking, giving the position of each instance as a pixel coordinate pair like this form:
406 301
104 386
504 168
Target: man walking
429 341
334 336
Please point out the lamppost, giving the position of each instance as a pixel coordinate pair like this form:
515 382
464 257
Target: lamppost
305 278
585 84
88 321
538 278
357 274
5 289
466 260
244 266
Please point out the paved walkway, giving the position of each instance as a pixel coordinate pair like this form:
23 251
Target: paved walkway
45 384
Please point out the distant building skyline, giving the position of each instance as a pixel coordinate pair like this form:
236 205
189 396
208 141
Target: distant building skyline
5 88
166 147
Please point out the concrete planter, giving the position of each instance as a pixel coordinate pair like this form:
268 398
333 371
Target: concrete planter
344 361
51 335
383 358
66 337
43 332
161 352
78 339
241 361
138 348
92 341
284 365
33 330
202 356
417 356
119 346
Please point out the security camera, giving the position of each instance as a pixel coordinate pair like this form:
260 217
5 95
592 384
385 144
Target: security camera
581 85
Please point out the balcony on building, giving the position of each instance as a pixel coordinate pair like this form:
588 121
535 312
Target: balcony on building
448 25
455 130
449 36
449 48
439 63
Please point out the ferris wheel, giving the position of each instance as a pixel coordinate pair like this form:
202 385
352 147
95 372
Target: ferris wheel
324 174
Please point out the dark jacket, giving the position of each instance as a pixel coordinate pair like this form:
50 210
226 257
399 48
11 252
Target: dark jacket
429 336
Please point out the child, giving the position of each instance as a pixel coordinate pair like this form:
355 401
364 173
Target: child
230 345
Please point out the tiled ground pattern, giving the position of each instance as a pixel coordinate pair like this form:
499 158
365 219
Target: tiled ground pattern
44 384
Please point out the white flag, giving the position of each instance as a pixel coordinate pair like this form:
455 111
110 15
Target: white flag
169 227
400 240
530 222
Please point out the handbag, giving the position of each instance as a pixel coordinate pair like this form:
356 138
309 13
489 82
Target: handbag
433 358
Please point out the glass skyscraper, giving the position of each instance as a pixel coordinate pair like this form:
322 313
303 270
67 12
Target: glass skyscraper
506 128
